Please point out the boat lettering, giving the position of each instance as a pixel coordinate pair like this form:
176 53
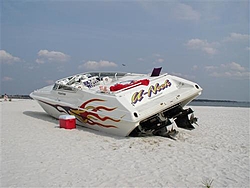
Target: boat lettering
153 90
137 96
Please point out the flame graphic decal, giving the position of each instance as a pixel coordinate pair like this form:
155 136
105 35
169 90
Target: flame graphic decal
87 114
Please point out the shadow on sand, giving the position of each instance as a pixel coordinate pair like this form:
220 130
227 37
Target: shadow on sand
41 116
47 118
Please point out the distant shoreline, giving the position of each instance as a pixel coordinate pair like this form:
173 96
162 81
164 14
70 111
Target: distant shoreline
222 103
216 100
17 97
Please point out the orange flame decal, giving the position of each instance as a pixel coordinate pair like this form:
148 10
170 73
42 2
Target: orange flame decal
87 114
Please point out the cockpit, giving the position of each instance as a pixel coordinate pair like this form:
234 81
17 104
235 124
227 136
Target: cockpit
87 80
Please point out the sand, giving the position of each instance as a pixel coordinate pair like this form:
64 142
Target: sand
35 152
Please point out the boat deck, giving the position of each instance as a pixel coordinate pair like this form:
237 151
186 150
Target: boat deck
108 83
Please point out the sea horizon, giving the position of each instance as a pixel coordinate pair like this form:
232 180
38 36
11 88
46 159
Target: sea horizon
195 102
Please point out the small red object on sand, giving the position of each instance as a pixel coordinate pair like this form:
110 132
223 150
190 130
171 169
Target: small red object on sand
67 121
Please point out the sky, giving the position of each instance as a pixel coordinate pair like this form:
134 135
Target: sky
203 41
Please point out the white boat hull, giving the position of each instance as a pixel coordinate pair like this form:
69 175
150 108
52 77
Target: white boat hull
125 112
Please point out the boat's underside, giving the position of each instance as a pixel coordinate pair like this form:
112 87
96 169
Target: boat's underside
158 124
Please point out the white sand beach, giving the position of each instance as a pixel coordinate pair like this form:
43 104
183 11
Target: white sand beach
35 152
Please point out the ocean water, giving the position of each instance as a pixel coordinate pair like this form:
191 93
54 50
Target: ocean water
220 103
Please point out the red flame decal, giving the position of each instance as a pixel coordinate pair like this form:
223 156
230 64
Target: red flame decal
87 114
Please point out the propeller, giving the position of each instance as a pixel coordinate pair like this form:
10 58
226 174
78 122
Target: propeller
193 119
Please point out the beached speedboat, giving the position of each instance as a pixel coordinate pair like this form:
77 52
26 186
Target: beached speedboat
124 104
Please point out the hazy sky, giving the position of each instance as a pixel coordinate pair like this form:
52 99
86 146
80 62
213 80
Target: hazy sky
203 41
